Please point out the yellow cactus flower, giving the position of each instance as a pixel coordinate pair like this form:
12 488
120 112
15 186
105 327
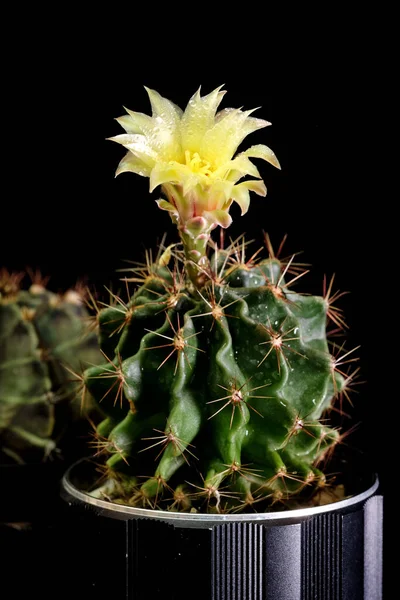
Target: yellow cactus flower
190 154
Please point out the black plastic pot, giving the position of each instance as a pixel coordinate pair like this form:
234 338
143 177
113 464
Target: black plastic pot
331 552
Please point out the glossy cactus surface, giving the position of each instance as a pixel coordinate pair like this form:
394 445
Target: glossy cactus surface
219 396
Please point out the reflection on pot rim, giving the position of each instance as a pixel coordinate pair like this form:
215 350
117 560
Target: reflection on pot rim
72 495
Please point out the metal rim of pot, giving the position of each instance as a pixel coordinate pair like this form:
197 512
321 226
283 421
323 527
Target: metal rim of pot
71 493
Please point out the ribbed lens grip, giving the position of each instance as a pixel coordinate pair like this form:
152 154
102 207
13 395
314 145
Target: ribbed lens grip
329 556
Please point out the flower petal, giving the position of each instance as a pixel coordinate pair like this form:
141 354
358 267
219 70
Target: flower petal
166 135
126 123
164 173
198 118
241 192
237 168
165 205
262 151
135 122
190 180
242 196
220 217
214 147
169 112
231 127
137 144
132 163
250 125
257 186
160 137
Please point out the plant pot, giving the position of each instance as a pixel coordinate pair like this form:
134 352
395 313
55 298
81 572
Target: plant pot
331 552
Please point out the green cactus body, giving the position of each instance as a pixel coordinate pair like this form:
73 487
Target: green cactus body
215 395
43 342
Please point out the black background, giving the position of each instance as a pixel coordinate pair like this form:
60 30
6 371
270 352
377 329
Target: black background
325 82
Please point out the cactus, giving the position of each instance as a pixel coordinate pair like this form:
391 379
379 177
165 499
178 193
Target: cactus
44 346
219 380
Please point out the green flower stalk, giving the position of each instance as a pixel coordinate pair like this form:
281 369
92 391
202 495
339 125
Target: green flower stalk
219 381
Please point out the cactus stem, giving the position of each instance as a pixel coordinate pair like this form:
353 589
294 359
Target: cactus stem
169 437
